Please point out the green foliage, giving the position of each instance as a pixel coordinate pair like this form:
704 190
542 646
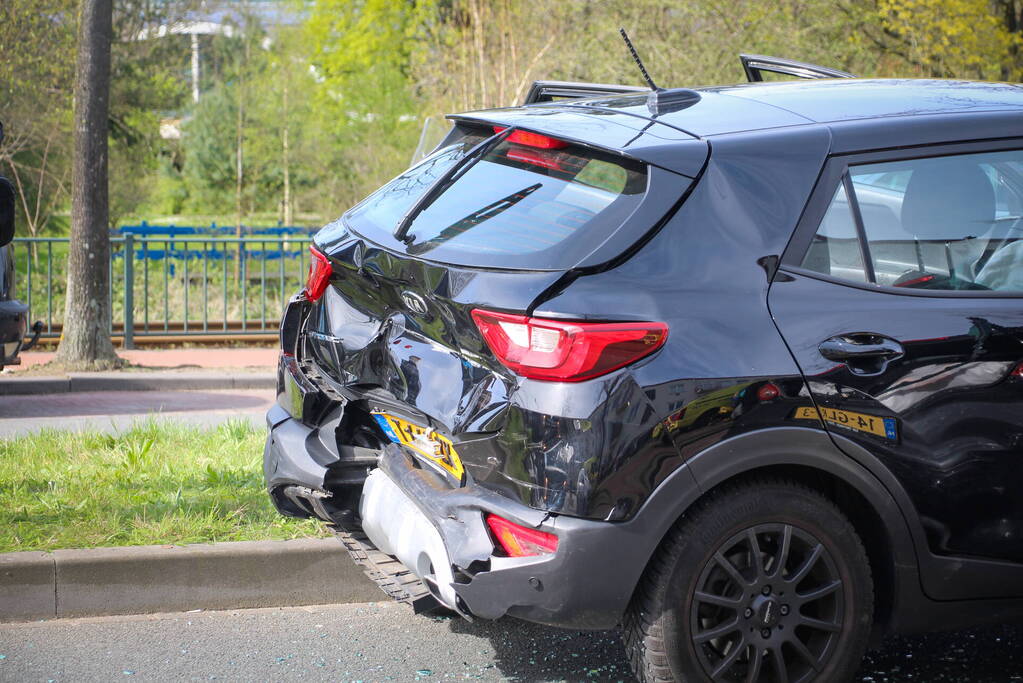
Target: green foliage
946 38
37 39
363 113
485 54
362 52
209 148
156 483
326 109
34 35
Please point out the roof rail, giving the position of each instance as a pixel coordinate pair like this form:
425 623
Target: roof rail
755 65
548 91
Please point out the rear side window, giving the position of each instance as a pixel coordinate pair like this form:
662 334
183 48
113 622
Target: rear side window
942 223
530 202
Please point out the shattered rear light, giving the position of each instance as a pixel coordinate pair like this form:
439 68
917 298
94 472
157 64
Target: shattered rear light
521 541
319 274
544 349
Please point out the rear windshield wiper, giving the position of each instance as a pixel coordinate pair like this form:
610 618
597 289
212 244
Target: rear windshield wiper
475 218
442 183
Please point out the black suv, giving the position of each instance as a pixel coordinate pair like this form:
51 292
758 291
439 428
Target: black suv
738 368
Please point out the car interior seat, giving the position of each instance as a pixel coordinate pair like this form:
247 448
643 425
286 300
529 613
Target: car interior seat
948 212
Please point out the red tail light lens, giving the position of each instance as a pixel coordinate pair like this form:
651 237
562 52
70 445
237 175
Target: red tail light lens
524 137
566 351
768 392
319 274
521 541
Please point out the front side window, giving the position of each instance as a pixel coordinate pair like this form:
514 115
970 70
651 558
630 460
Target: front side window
941 223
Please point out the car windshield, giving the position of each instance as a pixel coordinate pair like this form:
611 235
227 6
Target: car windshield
530 202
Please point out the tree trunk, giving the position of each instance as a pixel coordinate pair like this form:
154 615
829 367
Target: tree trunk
85 341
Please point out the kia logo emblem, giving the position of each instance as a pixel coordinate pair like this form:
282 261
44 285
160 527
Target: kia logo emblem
414 303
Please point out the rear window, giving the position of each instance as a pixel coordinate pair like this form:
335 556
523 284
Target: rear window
536 204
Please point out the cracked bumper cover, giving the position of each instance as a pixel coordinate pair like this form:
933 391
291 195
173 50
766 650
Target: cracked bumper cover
587 583
439 533
288 458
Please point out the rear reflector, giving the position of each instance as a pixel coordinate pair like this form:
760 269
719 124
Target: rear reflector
520 541
524 137
553 350
319 274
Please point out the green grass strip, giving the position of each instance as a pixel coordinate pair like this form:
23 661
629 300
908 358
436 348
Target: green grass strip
158 483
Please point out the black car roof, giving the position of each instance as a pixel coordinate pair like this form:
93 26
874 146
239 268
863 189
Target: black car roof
861 113
756 106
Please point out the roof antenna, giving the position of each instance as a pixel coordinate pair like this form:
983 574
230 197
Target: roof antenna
661 101
639 62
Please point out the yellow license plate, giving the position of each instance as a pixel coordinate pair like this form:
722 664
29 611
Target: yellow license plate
434 448
884 427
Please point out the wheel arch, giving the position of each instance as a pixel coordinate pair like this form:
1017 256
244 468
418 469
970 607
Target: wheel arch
810 457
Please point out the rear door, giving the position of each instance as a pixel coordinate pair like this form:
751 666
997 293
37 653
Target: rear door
901 297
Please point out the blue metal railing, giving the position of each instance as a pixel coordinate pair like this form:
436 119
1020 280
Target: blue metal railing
145 229
172 286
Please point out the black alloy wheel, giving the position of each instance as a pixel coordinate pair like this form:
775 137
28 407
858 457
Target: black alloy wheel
770 596
762 582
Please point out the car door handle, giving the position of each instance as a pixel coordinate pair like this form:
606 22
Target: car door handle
855 347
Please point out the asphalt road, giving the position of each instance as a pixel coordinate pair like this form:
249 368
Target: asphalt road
385 641
115 411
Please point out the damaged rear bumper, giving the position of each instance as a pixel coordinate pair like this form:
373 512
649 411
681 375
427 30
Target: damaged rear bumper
439 533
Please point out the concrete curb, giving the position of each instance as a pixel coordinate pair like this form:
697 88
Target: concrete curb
136 381
145 579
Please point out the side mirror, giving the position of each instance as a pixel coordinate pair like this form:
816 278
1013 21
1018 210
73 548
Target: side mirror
6 211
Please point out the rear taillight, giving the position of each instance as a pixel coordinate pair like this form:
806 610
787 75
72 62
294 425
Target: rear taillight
538 348
768 392
520 541
319 274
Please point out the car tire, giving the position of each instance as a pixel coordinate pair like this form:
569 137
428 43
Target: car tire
704 611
